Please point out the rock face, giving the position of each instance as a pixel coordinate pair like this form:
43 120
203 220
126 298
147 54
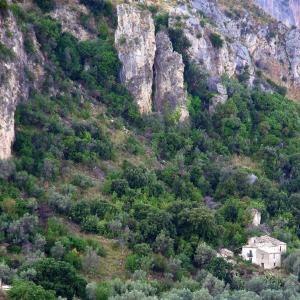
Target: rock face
135 42
256 217
255 49
170 93
68 14
286 11
12 84
151 70
220 98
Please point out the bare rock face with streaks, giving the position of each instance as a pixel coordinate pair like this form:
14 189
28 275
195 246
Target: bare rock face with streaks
15 65
286 11
13 85
135 42
170 94
256 48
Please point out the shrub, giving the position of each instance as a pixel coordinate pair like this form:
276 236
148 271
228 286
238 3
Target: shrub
27 290
6 54
213 284
119 186
203 255
90 261
3 5
60 277
95 5
161 21
45 5
58 250
6 273
137 177
99 6
90 224
83 181
132 263
180 42
73 258
159 263
256 284
133 146
216 40
103 291
164 244
221 269
61 203
7 169
281 90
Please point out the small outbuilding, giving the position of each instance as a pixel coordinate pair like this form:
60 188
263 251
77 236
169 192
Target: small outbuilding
264 251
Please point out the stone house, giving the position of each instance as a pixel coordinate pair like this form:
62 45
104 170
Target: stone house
264 251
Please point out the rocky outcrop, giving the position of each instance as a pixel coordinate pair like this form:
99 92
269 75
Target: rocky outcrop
220 98
256 217
256 50
232 58
293 52
69 14
286 11
12 84
152 72
170 94
135 42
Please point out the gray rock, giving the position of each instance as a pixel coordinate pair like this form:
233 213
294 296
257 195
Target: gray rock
170 94
12 81
220 98
286 11
135 43
251 178
68 14
249 45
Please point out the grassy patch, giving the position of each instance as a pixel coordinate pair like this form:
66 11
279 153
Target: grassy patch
113 265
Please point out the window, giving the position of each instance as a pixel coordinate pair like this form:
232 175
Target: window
274 256
280 248
274 265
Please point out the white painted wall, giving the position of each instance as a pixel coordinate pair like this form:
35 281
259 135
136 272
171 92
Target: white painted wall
246 253
268 260
264 259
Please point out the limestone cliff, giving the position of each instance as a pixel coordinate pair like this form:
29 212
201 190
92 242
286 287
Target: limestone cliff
255 51
13 83
286 11
169 79
135 42
141 53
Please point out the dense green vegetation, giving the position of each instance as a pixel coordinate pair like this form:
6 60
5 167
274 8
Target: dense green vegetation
149 191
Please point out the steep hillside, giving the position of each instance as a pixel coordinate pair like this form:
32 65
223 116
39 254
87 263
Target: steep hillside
136 142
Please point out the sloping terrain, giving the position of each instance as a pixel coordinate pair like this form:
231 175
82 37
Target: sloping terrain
136 139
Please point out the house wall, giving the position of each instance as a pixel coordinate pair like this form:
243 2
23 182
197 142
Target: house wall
262 258
268 260
246 252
